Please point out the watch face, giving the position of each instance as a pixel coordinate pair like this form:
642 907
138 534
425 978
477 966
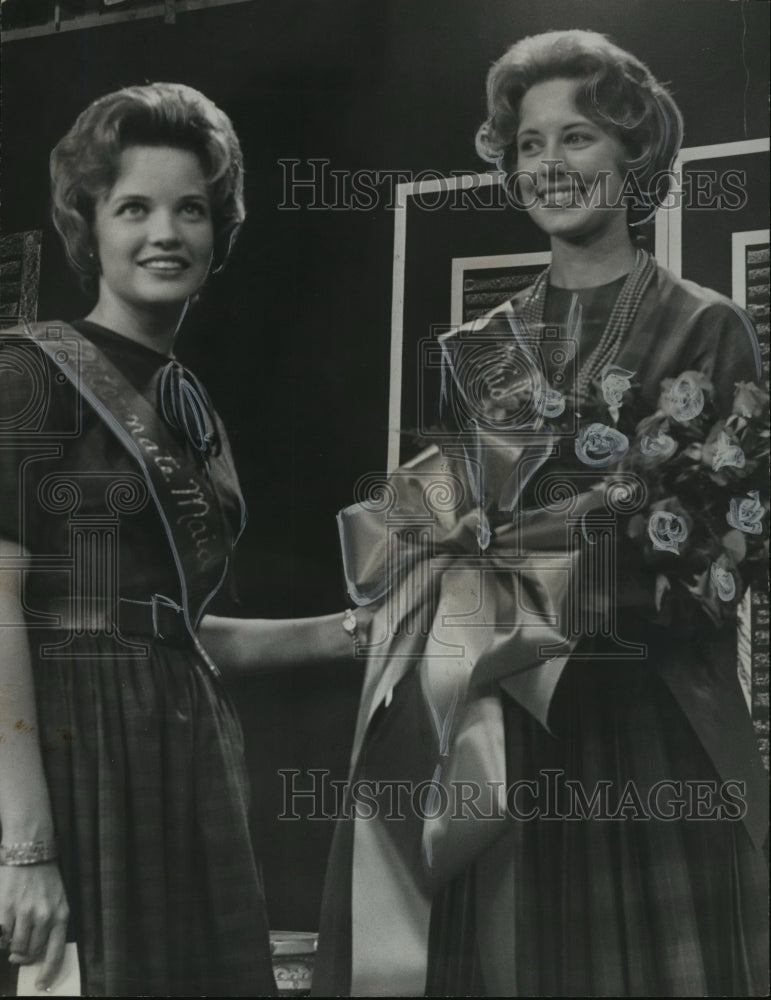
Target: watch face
349 622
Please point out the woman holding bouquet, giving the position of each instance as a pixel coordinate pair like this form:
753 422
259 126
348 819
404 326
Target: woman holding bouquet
632 903
628 859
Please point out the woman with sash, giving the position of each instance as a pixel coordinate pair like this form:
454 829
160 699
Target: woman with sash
563 706
123 793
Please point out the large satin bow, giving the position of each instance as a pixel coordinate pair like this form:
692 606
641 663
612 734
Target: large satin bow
472 620
478 597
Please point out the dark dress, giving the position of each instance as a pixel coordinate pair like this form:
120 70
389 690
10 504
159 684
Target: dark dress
142 748
635 906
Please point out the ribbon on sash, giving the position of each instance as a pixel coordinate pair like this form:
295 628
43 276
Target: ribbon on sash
181 488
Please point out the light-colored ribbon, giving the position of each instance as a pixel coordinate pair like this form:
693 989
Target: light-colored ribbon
472 621
477 596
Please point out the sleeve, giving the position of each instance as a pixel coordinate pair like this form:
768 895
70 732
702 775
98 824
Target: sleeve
725 347
37 415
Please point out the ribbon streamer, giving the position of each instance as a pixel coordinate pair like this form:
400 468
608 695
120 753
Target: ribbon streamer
185 407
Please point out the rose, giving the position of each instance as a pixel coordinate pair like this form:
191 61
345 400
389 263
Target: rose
549 402
661 446
615 382
734 547
667 531
683 397
652 425
598 445
721 450
723 581
746 514
749 400
672 507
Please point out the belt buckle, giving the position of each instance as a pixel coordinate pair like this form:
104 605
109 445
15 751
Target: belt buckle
160 608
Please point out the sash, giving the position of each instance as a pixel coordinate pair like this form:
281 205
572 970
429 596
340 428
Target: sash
181 489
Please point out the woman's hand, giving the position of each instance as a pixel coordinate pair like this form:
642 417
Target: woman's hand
364 617
33 906
33 916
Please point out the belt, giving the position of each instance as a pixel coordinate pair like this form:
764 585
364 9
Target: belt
157 618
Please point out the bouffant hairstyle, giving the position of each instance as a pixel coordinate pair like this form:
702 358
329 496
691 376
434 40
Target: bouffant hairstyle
615 90
85 163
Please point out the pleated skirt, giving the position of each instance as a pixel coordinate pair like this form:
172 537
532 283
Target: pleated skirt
144 760
623 906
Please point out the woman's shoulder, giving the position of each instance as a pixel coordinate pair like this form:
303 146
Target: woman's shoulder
23 366
699 328
690 297
31 394
704 307
485 324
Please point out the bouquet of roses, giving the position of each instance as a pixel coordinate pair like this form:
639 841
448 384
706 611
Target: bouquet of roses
699 531
702 530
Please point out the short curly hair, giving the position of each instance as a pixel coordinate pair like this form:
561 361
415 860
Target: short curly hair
85 163
619 93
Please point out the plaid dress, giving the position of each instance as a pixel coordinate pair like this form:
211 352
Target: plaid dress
563 905
143 754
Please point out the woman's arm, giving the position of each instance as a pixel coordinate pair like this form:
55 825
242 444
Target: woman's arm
251 645
33 906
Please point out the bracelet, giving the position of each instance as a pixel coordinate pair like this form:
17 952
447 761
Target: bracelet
350 624
30 852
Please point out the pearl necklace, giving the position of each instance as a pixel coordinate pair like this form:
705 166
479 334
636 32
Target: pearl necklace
619 323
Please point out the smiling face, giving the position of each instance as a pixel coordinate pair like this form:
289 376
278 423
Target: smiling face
153 231
572 170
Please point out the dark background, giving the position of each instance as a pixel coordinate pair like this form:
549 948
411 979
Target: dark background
293 338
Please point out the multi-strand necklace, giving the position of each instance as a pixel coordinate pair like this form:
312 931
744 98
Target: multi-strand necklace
619 323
